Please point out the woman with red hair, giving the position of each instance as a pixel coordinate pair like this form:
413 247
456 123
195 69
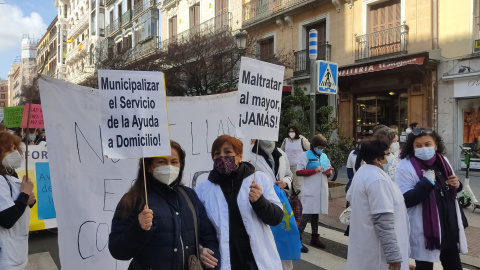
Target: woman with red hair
241 203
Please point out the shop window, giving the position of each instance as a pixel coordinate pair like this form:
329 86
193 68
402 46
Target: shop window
267 49
390 108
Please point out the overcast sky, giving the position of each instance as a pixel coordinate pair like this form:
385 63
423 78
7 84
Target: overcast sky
19 18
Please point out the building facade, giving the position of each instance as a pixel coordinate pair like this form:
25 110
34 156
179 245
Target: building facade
13 75
80 24
459 78
22 72
47 51
385 50
4 98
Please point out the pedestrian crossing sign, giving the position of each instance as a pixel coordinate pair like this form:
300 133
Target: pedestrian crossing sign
327 77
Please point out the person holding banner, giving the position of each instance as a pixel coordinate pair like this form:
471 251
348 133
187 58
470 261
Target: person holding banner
15 197
242 204
314 166
273 162
162 234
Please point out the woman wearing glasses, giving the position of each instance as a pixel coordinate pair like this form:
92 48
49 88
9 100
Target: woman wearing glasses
430 188
379 220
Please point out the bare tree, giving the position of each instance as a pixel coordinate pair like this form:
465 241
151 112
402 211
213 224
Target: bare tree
193 64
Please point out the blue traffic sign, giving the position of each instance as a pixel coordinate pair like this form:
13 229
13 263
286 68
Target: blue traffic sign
327 77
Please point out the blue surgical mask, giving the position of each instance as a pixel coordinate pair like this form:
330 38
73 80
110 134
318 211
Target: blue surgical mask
266 143
31 137
319 151
388 164
425 153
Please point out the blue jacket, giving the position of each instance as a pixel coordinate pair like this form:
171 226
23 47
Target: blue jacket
171 240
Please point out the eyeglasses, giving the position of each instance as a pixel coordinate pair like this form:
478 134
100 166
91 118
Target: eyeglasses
418 131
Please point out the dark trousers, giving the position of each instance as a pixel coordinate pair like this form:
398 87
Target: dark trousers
313 219
450 259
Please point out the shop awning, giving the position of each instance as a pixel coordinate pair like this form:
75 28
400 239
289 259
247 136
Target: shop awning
380 66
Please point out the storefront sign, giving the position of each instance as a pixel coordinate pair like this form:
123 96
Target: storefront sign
380 67
469 87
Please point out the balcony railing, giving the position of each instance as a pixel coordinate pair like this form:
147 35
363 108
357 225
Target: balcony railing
218 24
127 17
143 49
141 6
113 27
382 43
302 59
256 10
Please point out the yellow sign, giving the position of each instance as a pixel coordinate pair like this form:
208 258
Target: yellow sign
35 223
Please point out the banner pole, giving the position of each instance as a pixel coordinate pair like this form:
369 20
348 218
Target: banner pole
256 157
145 182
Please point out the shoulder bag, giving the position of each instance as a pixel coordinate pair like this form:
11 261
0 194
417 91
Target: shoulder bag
193 260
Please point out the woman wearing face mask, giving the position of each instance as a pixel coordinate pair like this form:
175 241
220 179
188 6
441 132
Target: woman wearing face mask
294 145
242 204
430 188
16 199
162 235
315 168
379 221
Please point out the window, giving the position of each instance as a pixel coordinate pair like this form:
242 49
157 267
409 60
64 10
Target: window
2 96
127 43
172 26
194 16
385 15
119 13
2 89
2 104
267 49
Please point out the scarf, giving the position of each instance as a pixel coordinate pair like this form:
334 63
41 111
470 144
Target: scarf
431 230
273 158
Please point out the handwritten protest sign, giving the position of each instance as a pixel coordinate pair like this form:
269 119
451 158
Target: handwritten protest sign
259 99
13 116
134 114
37 154
46 208
87 186
36 116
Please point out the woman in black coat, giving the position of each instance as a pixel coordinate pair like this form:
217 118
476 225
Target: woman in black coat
162 234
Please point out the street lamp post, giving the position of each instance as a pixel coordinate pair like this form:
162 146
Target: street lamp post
241 39
312 53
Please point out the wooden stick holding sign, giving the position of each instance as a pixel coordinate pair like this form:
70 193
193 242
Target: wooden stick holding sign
145 182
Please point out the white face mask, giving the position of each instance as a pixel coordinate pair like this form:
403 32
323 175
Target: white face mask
425 153
291 135
166 174
12 160
395 148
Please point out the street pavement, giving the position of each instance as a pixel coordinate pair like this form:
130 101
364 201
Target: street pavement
43 249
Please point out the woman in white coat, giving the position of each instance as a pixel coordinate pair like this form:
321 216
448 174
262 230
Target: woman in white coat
315 168
241 204
379 220
16 199
430 188
294 145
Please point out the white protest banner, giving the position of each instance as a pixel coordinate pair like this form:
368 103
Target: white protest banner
87 186
134 114
260 87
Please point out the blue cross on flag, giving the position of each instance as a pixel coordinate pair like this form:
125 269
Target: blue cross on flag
327 77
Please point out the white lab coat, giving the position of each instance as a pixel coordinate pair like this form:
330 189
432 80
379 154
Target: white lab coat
314 195
372 192
261 238
406 178
13 241
284 172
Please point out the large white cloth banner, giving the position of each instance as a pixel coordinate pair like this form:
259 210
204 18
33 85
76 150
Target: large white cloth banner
134 114
87 186
259 99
